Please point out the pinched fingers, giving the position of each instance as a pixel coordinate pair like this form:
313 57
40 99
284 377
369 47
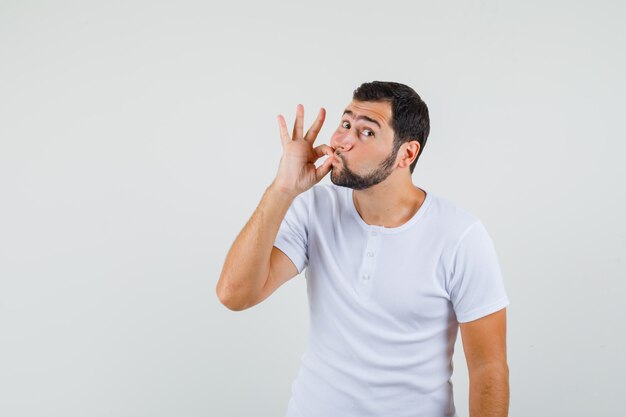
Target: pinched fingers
322 150
325 167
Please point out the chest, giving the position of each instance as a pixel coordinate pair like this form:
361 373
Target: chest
398 276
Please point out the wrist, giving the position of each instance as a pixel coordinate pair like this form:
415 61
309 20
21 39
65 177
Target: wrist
281 192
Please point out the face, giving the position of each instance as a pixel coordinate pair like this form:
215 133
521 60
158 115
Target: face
363 143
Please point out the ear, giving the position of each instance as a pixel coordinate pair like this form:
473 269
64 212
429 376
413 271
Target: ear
408 152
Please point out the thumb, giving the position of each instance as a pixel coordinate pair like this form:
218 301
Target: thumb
323 169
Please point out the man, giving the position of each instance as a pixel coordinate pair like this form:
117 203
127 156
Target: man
392 270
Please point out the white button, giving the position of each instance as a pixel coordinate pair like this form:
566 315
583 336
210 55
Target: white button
366 276
370 254
374 233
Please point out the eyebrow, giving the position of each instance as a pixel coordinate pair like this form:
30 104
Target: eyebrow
369 119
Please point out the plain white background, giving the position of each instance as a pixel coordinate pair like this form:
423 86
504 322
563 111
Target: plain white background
137 137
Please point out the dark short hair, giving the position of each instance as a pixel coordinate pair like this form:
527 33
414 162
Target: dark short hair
409 113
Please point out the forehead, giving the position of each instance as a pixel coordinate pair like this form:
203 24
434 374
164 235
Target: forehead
380 111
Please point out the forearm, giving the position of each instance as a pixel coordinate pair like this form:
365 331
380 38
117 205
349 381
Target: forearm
247 263
489 391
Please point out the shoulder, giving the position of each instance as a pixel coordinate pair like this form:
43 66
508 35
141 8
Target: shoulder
318 198
451 218
464 240
327 189
326 195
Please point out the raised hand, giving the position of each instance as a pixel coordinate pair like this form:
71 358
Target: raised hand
297 172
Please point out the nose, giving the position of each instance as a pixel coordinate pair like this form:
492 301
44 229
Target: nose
343 141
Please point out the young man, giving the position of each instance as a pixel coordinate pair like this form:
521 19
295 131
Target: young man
392 270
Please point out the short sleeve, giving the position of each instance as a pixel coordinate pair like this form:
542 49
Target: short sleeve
475 286
292 237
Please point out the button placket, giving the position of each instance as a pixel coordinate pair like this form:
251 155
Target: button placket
368 265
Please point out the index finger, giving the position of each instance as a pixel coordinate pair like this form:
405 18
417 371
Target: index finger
322 150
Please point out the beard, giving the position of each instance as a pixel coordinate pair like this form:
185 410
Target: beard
343 176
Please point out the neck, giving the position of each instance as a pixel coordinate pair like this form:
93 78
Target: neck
389 203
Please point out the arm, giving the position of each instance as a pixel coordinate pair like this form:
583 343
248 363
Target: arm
484 344
247 263
253 268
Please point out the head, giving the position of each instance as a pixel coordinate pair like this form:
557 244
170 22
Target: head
383 129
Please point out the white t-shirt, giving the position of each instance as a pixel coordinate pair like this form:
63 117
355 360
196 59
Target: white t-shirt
385 303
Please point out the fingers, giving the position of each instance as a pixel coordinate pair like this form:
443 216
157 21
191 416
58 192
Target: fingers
284 135
323 169
299 123
322 150
311 134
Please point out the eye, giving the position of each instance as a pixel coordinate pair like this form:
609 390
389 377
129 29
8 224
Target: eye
371 132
